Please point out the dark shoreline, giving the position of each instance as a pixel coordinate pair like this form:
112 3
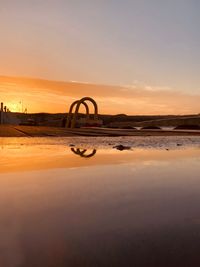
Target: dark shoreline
44 131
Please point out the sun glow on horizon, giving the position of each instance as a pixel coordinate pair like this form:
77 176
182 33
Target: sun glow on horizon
37 95
13 107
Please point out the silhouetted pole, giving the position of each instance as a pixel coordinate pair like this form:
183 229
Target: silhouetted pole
1 114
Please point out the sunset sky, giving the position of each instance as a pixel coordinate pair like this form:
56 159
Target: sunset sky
132 56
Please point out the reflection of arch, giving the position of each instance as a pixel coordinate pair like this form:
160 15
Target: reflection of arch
82 154
71 121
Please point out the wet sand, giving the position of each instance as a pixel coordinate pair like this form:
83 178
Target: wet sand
39 131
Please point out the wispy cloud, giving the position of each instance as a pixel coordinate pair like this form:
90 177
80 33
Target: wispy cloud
56 96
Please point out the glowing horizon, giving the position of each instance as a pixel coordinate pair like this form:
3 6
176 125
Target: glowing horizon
39 95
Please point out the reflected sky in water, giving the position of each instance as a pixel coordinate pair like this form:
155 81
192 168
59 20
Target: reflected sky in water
138 207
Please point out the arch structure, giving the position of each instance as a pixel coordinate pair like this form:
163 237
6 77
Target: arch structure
72 115
82 153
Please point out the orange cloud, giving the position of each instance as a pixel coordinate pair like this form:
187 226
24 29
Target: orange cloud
55 96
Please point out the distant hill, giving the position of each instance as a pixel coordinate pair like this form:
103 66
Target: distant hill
115 121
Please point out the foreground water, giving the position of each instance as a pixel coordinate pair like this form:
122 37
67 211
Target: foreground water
80 202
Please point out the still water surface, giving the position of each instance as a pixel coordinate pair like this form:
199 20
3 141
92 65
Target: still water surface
92 205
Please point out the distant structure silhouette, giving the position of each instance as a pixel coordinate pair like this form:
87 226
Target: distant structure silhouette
72 117
1 113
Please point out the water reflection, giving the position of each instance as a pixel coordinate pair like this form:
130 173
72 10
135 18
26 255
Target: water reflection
82 152
132 208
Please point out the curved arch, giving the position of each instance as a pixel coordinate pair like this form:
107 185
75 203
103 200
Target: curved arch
82 100
78 151
82 154
94 151
69 117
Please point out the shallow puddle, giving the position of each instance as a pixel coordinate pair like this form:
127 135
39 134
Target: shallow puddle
80 202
